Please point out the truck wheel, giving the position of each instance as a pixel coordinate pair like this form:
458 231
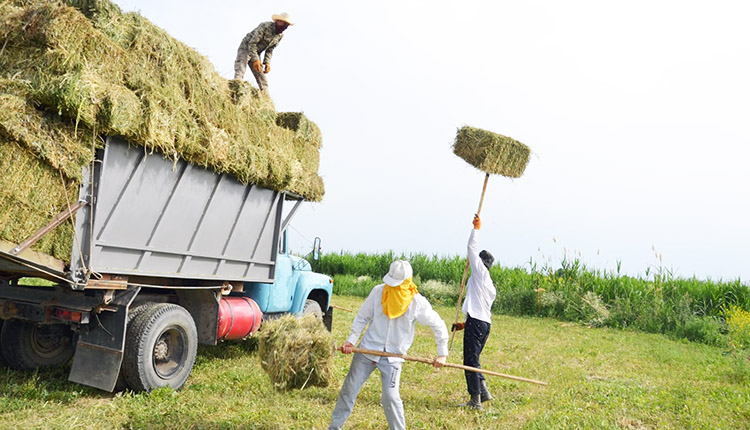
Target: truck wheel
138 309
160 348
27 346
312 307
133 311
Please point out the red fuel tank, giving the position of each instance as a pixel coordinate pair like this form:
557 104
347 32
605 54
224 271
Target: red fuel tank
238 317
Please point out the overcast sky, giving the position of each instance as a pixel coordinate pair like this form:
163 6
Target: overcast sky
637 113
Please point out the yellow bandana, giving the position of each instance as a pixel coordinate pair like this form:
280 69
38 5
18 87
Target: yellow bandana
397 299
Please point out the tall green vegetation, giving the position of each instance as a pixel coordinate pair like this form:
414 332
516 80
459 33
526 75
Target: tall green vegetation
657 303
738 331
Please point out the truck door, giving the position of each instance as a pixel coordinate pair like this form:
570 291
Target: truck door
282 292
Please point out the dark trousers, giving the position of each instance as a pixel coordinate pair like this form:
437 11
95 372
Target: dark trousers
476 333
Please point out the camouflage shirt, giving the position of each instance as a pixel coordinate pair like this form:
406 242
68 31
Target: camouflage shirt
263 38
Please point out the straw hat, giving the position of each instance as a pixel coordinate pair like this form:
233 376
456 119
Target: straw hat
282 17
400 271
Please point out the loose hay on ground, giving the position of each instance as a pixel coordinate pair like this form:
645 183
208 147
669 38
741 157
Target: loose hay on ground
491 152
296 352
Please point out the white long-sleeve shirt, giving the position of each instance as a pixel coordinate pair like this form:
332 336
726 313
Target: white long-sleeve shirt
395 335
480 291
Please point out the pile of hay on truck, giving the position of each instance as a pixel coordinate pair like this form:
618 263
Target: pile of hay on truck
178 181
74 71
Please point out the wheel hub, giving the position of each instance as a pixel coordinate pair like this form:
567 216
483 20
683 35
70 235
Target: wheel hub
169 352
161 351
47 341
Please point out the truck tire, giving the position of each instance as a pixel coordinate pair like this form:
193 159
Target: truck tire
160 348
133 311
312 308
27 346
138 309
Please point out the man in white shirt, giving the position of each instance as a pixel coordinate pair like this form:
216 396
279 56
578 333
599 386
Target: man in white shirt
391 309
480 293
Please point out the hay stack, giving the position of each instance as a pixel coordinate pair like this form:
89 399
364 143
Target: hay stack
73 71
31 193
296 352
491 152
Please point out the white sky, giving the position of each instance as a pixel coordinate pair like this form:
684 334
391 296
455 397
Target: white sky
637 114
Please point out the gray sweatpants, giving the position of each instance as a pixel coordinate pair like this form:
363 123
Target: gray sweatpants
360 370
240 65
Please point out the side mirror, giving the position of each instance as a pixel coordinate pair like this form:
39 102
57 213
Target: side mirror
316 249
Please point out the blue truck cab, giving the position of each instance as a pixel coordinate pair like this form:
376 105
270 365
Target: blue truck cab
296 289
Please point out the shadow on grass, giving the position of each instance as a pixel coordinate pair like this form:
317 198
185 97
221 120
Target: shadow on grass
24 389
228 349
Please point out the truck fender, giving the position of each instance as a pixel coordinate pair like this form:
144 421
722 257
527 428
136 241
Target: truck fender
312 285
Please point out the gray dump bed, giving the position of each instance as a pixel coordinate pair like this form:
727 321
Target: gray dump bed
159 220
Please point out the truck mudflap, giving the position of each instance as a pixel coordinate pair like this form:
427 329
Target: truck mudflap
328 319
101 343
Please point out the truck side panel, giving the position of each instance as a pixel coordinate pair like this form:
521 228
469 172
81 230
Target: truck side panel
160 218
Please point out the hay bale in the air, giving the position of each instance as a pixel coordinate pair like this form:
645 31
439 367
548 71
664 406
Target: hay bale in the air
73 71
296 352
491 152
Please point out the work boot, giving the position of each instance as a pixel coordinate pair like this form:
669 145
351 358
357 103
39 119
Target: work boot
474 403
484 393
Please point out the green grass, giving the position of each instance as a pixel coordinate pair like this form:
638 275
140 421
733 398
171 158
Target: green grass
600 378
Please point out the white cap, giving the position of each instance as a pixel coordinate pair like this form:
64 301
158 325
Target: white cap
399 272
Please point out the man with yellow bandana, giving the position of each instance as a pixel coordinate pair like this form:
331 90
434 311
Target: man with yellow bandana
391 309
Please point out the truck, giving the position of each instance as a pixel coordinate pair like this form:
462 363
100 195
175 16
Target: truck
166 255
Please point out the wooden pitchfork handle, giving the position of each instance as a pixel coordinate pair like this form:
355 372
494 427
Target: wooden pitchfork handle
466 269
430 361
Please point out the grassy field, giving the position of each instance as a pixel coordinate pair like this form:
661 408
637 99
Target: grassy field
656 302
600 378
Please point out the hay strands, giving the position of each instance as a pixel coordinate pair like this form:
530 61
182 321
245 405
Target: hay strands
456 366
491 153
59 219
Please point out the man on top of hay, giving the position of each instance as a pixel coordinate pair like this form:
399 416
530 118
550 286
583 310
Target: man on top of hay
391 309
265 37
480 293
